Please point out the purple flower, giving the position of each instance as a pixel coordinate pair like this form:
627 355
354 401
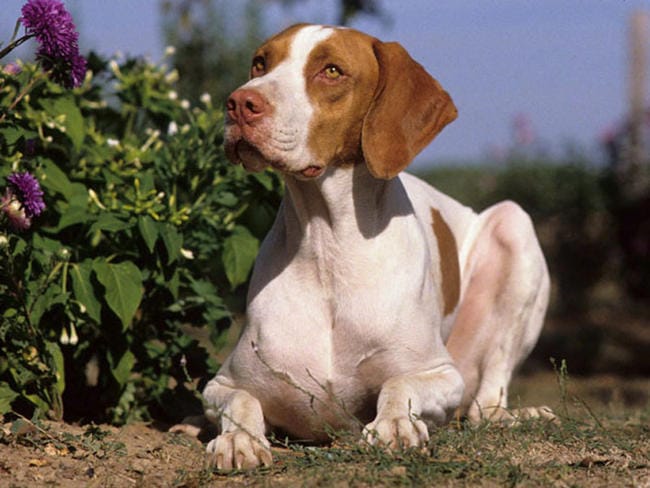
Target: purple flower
11 69
54 29
78 67
68 72
28 192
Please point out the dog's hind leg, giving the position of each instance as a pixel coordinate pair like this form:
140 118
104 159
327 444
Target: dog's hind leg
503 303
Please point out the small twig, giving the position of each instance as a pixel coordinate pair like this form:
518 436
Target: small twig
37 78
40 429
285 377
14 44
334 398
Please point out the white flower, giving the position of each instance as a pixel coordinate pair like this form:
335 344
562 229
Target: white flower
172 95
64 338
112 142
170 51
172 76
206 99
115 68
185 104
3 241
187 254
94 198
74 339
172 129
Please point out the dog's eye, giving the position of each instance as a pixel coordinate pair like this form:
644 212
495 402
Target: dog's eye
259 66
332 71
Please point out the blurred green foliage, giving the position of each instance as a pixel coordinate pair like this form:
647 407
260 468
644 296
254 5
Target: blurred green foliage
212 51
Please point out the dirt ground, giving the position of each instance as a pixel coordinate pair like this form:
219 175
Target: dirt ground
604 442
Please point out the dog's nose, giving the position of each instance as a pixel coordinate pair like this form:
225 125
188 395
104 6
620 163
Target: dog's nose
246 106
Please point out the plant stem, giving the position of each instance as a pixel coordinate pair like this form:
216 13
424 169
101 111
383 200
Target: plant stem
38 77
14 44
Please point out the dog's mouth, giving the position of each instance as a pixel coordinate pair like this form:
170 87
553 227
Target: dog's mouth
312 171
243 152
246 154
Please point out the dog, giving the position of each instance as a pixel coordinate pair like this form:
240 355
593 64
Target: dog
376 303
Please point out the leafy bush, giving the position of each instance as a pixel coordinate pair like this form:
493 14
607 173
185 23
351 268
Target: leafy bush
147 228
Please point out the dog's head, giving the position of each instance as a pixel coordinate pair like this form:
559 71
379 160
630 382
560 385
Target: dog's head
321 96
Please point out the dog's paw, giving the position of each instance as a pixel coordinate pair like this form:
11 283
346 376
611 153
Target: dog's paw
239 450
192 426
396 433
513 417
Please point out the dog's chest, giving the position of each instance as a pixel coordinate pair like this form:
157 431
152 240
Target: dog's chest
325 346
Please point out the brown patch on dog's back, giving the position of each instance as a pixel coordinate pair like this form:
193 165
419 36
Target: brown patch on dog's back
449 265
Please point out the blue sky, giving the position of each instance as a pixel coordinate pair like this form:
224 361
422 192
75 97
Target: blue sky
562 63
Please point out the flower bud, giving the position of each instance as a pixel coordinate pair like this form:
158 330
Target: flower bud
64 338
206 99
74 339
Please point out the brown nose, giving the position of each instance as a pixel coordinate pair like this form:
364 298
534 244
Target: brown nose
246 106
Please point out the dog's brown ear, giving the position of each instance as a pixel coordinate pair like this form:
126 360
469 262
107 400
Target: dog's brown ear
408 110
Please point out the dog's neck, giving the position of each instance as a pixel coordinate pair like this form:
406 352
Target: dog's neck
346 201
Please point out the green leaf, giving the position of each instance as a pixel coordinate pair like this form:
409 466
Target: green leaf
123 288
109 223
122 371
13 134
54 179
53 295
59 369
72 216
239 252
7 396
73 122
19 248
38 402
265 178
174 284
50 246
227 199
83 289
173 241
149 231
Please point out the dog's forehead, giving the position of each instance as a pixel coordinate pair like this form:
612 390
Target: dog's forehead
293 45
306 39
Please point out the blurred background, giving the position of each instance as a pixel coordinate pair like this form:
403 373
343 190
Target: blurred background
553 113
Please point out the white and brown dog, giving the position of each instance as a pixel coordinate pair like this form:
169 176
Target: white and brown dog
374 296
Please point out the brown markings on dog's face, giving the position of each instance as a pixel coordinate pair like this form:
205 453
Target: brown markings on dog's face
449 265
341 75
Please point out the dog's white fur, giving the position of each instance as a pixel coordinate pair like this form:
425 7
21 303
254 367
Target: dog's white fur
347 314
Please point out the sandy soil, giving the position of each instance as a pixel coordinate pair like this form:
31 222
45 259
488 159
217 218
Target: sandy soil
59 454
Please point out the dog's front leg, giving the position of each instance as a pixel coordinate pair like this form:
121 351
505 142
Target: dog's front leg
404 401
241 443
